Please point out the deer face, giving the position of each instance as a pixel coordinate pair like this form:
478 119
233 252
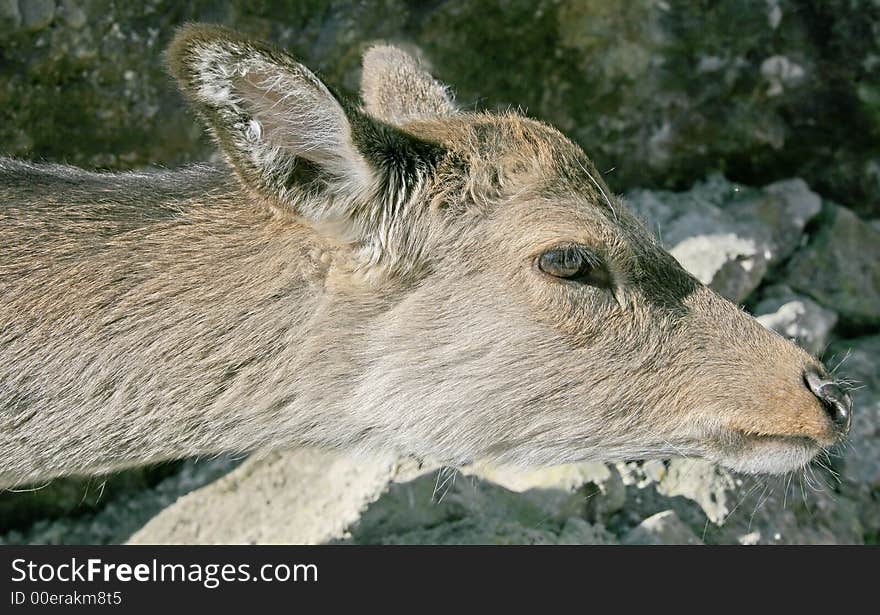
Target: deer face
505 304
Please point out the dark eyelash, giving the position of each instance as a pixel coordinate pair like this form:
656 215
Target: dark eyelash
588 267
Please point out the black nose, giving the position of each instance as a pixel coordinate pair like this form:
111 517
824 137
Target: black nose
837 403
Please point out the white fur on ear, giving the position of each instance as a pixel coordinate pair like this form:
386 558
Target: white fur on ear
293 143
270 113
397 89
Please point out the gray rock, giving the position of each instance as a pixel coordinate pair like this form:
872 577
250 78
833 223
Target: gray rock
798 318
576 531
713 488
840 268
72 14
799 508
856 361
590 489
471 531
122 514
443 507
77 496
782 209
729 264
664 528
10 16
36 14
802 509
726 234
300 497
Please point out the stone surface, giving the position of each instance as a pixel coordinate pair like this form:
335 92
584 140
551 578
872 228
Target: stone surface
782 210
726 234
444 507
796 317
71 14
36 14
664 528
10 16
76 496
590 489
729 264
857 361
840 268
115 516
300 497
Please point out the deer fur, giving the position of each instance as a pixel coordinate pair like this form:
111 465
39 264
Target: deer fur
363 276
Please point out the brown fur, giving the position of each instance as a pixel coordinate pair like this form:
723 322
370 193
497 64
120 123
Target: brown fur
365 278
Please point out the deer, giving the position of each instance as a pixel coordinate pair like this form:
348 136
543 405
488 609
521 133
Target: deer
393 275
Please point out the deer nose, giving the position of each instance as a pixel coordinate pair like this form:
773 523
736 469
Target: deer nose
837 404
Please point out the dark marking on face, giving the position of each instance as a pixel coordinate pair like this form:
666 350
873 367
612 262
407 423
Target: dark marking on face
663 281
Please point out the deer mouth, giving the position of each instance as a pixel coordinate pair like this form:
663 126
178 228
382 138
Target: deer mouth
765 454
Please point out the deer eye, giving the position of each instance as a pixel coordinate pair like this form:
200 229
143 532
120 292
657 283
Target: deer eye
575 263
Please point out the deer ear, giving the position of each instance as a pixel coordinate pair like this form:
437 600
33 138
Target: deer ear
280 127
299 147
293 142
397 89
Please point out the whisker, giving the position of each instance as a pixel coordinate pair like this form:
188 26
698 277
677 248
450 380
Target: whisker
743 498
842 361
787 485
761 501
28 489
802 475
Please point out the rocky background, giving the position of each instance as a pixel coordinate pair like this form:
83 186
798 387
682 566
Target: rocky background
746 133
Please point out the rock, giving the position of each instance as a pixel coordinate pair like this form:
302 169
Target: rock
36 14
856 361
299 497
726 234
589 489
72 14
664 528
471 531
798 318
10 16
800 510
780 72
783 210
576 531
443 507
74 496
839 268
122 513
711 487
569 477
729 264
